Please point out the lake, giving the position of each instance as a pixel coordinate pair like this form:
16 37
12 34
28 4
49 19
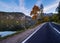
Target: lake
6 33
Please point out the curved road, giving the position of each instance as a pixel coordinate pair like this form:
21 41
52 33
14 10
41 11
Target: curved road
48 33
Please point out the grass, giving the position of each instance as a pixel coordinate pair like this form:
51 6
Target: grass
34 25
20 31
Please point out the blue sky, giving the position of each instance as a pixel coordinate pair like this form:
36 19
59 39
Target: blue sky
25 6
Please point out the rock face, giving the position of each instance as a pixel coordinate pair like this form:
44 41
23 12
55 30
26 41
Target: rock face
13 21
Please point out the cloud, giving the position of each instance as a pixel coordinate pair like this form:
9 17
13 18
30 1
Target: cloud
50 7
12 7
58 0
53 6
38 2
8 7
23 8
4 6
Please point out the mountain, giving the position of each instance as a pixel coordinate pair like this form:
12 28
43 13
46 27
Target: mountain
14 21
48 14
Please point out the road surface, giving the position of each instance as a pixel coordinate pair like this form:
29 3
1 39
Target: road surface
48 33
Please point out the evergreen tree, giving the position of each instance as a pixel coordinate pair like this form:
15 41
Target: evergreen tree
58 9
41 10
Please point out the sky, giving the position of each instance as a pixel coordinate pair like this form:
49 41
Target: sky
26 6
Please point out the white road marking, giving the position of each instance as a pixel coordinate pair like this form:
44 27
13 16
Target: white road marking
56 23
54 28
33 33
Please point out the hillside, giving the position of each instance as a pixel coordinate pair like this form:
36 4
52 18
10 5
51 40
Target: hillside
13 21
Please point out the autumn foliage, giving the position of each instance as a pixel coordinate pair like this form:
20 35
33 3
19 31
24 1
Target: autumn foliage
46 19
34 11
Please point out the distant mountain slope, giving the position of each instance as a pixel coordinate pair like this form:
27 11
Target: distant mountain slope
13 20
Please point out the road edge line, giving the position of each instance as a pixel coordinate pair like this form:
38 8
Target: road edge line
54 28
33 33
55 23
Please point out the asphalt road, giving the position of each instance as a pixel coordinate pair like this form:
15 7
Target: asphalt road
46 34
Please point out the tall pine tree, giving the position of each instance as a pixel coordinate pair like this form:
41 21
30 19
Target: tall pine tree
41 8
58 9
